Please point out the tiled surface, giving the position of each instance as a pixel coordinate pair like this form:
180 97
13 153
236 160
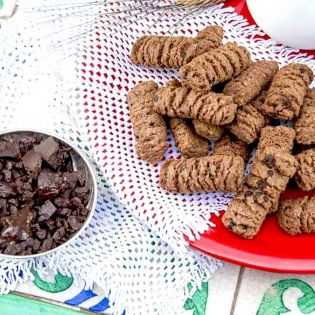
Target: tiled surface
264 293
222 288
231 291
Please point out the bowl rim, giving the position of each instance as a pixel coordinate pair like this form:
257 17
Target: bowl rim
93 202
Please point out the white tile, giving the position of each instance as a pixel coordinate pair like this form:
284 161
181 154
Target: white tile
280 291
221 290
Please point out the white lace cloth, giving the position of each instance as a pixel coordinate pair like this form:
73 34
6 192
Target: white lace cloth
65 67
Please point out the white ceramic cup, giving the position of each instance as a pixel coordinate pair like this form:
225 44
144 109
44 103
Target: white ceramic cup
290 22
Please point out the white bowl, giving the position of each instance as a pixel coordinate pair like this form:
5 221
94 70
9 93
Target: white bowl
290 22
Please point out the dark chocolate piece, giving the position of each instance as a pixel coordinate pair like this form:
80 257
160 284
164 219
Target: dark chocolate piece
32 162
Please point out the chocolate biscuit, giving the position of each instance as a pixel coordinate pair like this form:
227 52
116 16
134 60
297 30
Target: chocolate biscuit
305 174
215 66
175 100
269 176
297 216
305 124
272 168
287 91
248 123
174 51
251 82
205 174
187 141
149 127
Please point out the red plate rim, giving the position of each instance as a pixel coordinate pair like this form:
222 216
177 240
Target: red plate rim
273 264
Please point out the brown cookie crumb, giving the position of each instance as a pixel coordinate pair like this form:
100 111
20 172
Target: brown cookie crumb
297 216
279 137
229 146
215 66
305 124
174 51
208 131
205 174
248 123
187 142
287 91
305 174
175 100
149 127
251 82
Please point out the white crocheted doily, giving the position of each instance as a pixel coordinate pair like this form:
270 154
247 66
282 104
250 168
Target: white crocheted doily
65 67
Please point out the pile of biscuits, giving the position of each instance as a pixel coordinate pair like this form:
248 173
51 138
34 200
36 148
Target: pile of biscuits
240 105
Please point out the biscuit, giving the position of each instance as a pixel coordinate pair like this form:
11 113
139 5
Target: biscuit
305 174
287 91
175 100
174 51
187 141
205 174
305 124
215 66
251 82
297 216
279 137
269 176
229 146
149 127
208 131
248 123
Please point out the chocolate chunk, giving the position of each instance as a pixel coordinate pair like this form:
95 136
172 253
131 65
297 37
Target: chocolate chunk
41 234
248 193
83 193
13 201
269 161
36 245
11 249
26 143
10 232
3 207
49 184
32 162
84 211
9 148
48 149
6 191
58 235
51 224
13 210
64 211
27 196
76 203
74 223
7 176
53 153
46 211
69 180
61 202
47 245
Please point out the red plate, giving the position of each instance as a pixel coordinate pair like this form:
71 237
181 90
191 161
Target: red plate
272 249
